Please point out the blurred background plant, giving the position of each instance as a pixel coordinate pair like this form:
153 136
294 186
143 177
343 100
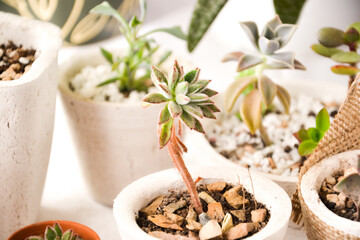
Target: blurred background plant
259 90
331 44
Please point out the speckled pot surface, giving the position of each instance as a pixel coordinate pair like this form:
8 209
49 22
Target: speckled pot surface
26 122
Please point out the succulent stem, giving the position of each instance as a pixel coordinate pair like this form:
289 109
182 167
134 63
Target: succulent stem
176 156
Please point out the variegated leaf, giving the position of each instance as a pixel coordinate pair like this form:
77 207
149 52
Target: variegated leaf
174 76
213 108
174 109
248 61
233 56
182 99
164 115
203 83
285 32
182 88
206 102
188 119
268 46
209 92
284 98
165 133
267 89
250 110
206 111
235 89
193 109
155 98
251 31
194 88
198 97
165 90
192 76
158 75
198 127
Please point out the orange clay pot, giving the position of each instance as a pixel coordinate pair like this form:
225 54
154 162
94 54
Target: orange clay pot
39 228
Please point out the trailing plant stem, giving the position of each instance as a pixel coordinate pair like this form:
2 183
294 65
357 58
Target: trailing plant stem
353 48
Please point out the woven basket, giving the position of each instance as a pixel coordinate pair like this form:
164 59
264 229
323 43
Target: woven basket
343 135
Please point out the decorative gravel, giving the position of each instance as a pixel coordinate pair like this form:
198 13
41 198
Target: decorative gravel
85 84
231 138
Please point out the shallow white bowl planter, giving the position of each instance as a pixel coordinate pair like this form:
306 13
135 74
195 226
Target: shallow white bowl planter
116 142
27 107
322 223
202 145
139 193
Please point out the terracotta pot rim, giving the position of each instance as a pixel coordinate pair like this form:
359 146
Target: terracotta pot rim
74 225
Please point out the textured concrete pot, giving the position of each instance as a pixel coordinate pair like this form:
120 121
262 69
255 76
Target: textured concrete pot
26 122
139 193
320 222
213 157
38 229
116 143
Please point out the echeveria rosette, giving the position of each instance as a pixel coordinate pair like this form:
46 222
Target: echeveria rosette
185 96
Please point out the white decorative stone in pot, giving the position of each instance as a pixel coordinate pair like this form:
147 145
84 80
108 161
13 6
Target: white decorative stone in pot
27 108
116 142
141 192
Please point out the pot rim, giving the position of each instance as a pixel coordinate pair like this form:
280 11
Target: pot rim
74 227
311 183
147 188
47 52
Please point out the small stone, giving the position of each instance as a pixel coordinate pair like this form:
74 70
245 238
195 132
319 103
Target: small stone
1 52
332 198
340 205
15 66
210 231
249 148
272 163
331 180
284 124
194 226
258 215
162 221
340 178
204 218
172 207
349 204
234 199
240 214
24 60
342 197
18 75
239 231
169 236
239 152
191 216
175 218
206 197
8 74
151 209
216 186
215 211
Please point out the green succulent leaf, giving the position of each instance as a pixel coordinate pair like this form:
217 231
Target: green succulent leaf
285 32
34 238
251 31
134 22
235 89
331 37
193 109
248 61
155 98
165 133
267 89
157 75
50 233
175 31
307 147
58 229
164 115
323 120
289 10
213 108
350 186
188 119
192 76
324 51
284 98
204 14
67 235
182 99
282 60
174 109
352 35
111 80
198 97
268 46
345 70
182 88
250 110
303 135
198 127
346 57
209 92
315 134
271 25
206 111
233 56
107 55
143 9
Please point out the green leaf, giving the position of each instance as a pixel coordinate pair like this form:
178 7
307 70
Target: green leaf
284 98
345 70
352 35
175 31
207 112
324 51
182 99
204 14
67 235
108 56
157 75
315 134
108 81
58 229
50 233
213 108
193 109
198 97
165 133
209 92
251 30
164 115
163 58
235 89
303 134
174 109
182 88
307 147
188 119
134 22
331 37
198 127
250 110
192 76
155 98
267 89
285 32
34 238
346 57
356 25
350 186
289 10
323 120
246 73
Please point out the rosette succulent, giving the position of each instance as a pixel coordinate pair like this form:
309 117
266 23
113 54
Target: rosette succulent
331 40
187 98
259 90
56 233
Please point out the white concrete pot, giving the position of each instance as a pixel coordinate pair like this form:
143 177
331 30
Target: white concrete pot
332 225
27 107
116 143
139 194
202 145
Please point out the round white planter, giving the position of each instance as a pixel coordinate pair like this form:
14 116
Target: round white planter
139 193
26 122
332 225
116 143
201 145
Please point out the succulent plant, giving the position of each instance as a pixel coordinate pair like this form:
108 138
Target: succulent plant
261 90
140 50
310 138
186 97
331 40
56 233
350 186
